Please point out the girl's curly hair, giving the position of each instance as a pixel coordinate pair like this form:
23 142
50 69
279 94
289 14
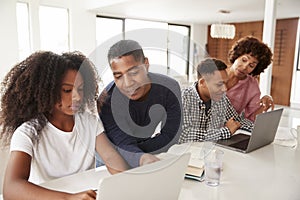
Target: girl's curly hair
254 47
32 88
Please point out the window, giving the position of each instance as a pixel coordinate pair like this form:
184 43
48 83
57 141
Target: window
23 30
166 45
178 51
153 37
106 30
54 29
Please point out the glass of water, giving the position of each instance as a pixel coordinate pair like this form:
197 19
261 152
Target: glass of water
213 166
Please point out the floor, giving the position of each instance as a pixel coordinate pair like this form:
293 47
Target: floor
290 119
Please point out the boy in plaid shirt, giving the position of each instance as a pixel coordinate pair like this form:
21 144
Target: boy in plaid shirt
207 113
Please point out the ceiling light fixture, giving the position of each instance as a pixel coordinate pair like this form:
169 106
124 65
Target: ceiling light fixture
225 31
220 30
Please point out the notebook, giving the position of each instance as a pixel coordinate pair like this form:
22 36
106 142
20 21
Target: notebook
159 180
264 131
195 168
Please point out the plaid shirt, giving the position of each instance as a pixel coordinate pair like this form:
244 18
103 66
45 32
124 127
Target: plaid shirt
199 125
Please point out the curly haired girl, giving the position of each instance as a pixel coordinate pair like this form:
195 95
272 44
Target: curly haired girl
47 107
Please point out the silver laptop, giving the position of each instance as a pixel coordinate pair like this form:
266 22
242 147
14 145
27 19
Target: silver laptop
264 131
159 180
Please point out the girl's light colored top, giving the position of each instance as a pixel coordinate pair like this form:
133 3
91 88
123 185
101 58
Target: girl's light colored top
56 153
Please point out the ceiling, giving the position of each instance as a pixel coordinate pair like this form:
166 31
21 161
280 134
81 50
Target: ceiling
192 11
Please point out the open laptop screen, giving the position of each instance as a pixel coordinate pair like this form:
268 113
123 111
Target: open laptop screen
159 180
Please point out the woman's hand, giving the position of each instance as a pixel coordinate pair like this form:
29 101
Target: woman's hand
266 102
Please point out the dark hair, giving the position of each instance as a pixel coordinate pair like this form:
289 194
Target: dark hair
32 88
254 47
89 74
126 48
209 66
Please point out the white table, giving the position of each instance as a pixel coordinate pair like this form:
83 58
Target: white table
272 172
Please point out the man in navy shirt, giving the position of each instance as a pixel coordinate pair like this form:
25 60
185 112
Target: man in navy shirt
140 111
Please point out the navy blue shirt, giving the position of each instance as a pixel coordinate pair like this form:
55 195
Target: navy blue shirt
131 125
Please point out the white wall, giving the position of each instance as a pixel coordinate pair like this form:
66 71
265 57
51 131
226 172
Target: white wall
83 28
8 36
295 96
199 34
295 92
197 47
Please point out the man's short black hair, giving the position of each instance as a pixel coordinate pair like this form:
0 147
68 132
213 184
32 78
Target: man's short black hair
209 66
126 48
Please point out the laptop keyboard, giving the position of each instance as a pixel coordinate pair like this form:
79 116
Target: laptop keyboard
241 145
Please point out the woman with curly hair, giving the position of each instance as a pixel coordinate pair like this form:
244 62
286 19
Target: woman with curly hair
46 115
249 57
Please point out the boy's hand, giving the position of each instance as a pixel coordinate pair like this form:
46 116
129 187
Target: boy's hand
232 125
